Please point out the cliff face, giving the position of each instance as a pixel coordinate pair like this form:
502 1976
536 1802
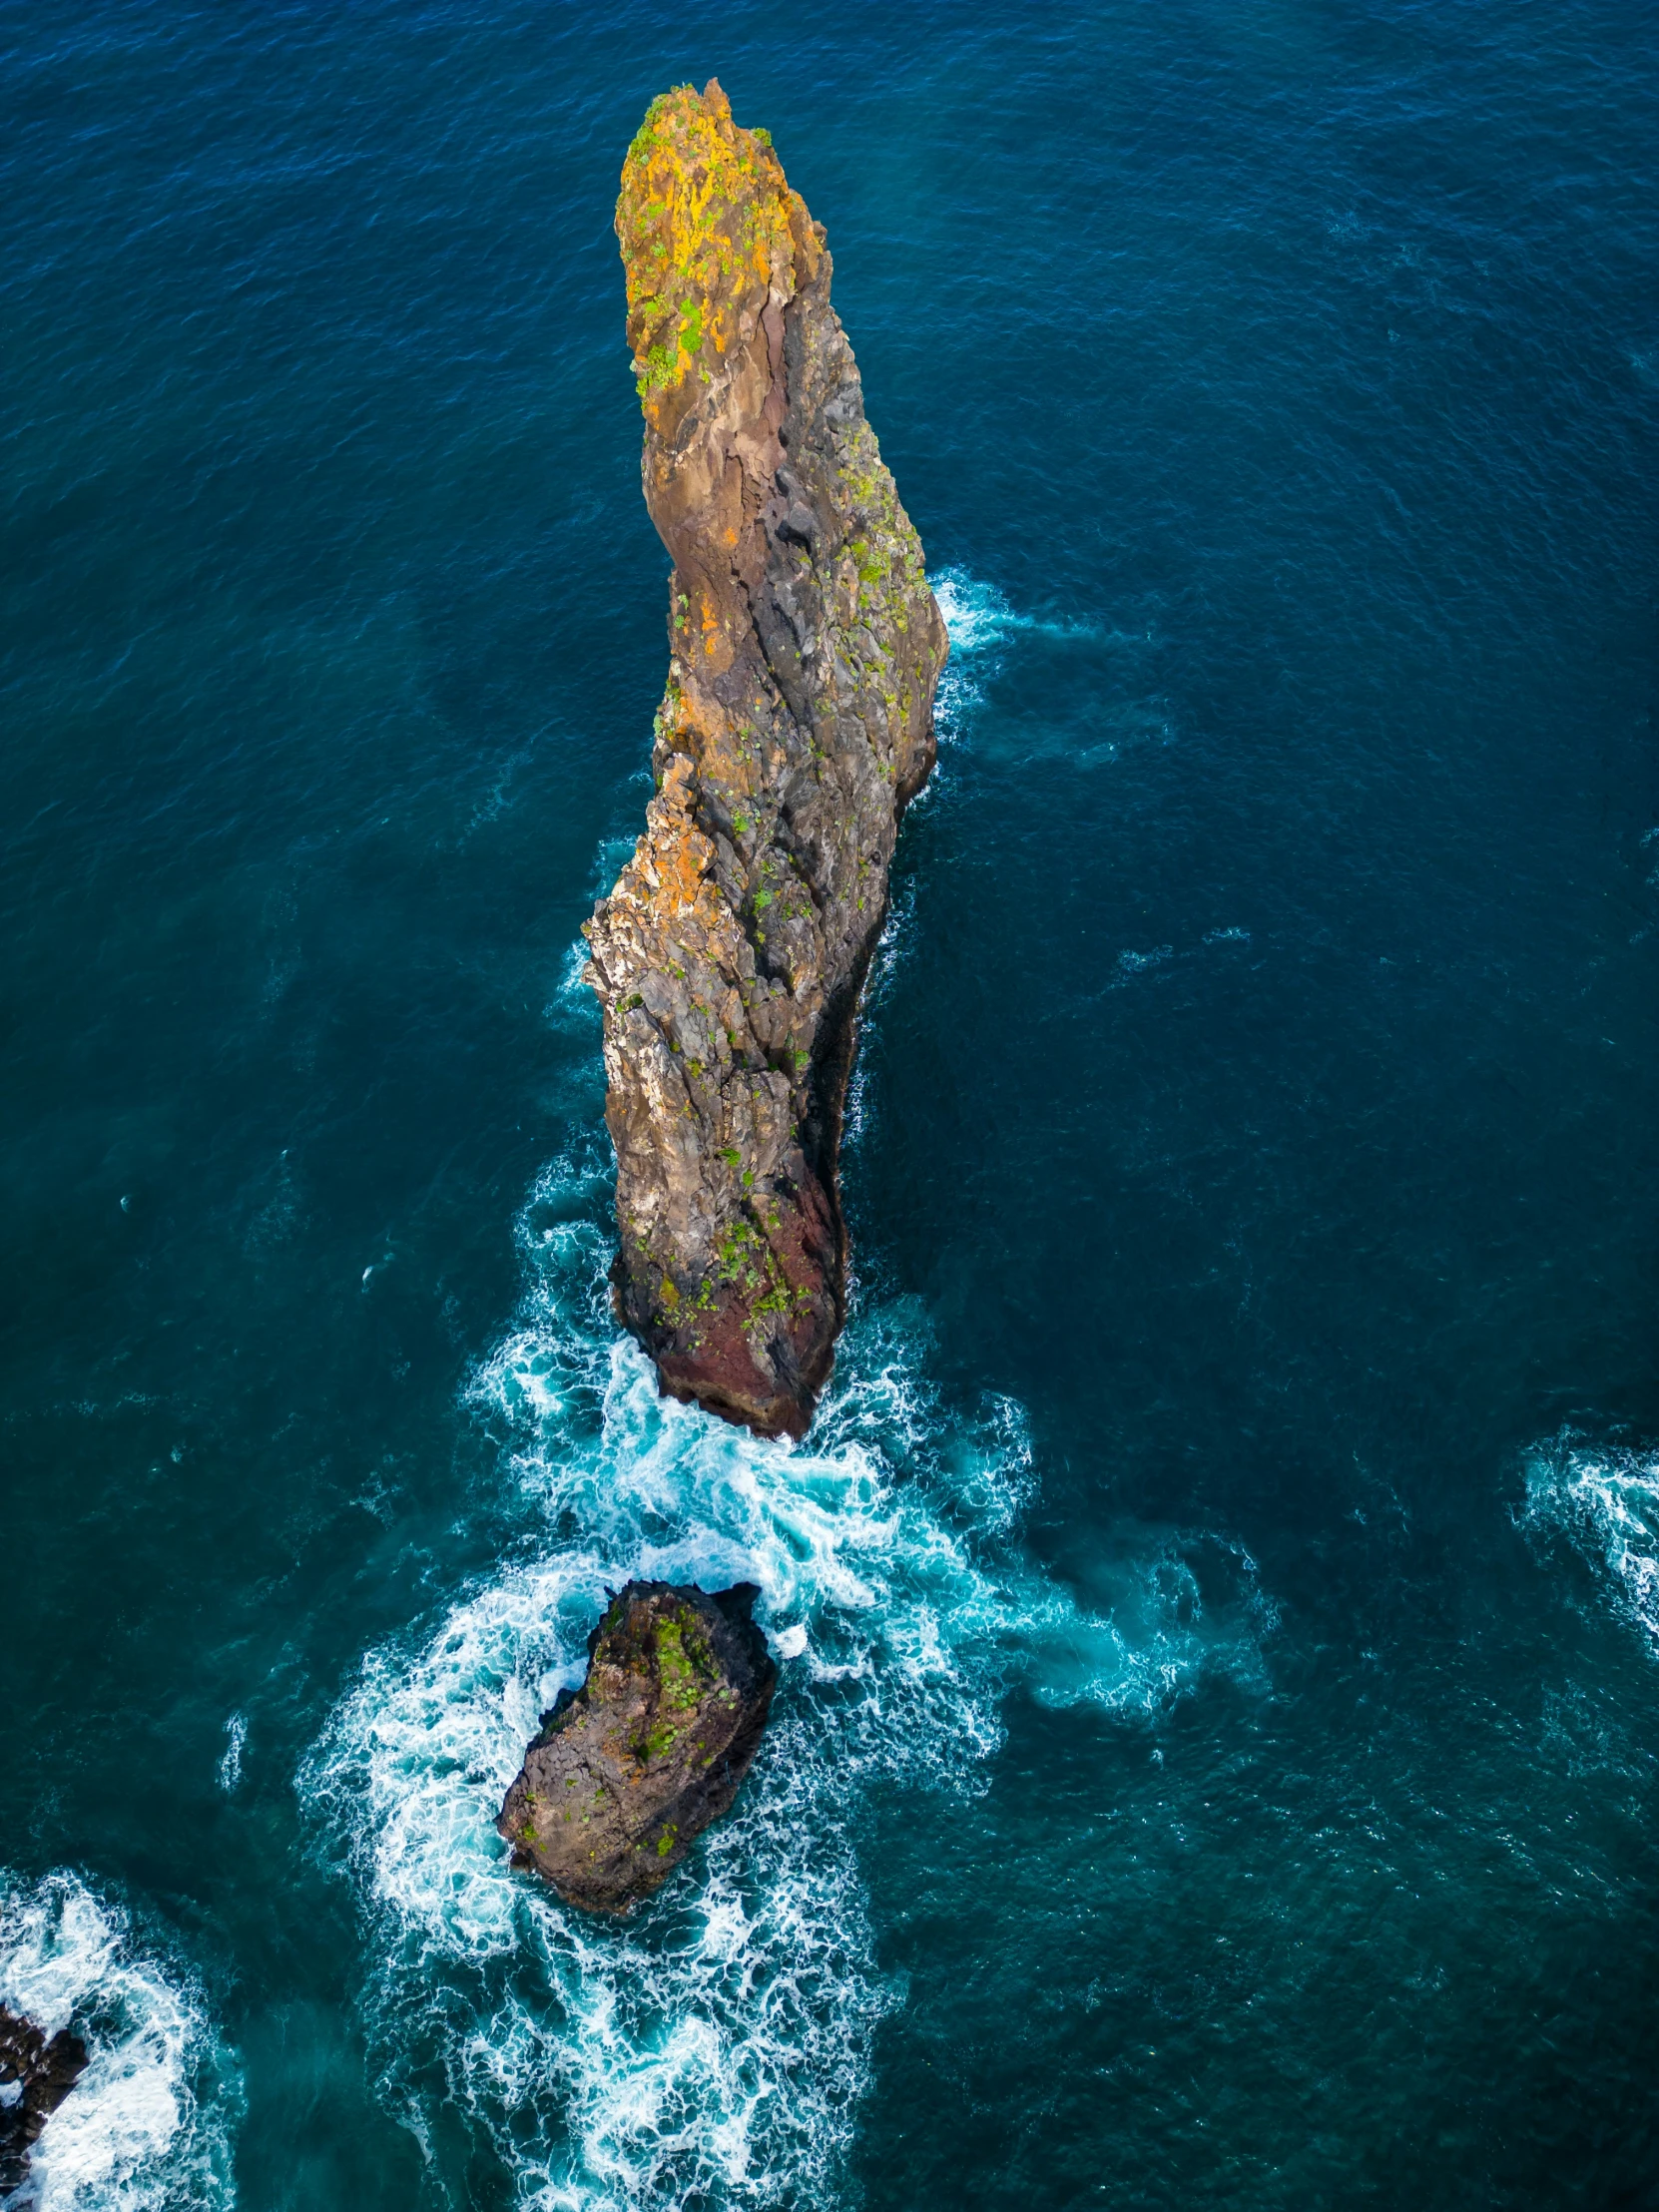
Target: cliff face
796 723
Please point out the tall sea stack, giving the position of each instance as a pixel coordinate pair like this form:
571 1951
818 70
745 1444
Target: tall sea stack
798 723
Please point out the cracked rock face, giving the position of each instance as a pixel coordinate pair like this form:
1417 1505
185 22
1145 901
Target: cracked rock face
796 723
36 2073
631 1767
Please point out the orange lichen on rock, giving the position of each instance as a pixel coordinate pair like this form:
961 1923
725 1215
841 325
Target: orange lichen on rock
709 233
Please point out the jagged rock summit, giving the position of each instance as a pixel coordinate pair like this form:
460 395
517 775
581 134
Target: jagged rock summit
627 1769
798 723
37 2072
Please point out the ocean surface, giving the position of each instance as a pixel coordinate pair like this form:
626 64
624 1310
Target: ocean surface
1217 1761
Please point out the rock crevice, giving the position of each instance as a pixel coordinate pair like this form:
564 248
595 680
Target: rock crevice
796 725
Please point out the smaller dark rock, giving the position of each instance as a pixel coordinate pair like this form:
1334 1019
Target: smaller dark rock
627 1769
35 2075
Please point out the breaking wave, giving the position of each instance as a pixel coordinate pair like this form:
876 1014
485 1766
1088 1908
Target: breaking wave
1114 712
1605 1500
148 2124
713 2048
978 615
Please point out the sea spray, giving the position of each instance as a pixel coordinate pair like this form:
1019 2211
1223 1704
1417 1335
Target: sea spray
148 2123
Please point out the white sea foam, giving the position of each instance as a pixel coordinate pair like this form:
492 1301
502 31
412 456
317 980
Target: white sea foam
981 622
230 1766
711 2049
984 628
1131 964
147 2125
1605 1499
978 615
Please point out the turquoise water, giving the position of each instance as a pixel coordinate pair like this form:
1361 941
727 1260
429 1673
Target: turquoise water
1218 1606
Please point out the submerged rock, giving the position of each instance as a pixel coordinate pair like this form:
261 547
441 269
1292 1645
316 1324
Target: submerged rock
627 1769
36 2073
805 648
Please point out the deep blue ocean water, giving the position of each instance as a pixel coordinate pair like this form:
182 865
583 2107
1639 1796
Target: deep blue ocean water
1218 1757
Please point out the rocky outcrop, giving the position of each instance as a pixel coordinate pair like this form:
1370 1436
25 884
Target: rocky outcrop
36 2073
631 1767
798 722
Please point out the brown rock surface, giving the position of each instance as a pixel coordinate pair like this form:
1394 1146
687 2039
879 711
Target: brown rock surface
37 2072
630 1768
798 722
